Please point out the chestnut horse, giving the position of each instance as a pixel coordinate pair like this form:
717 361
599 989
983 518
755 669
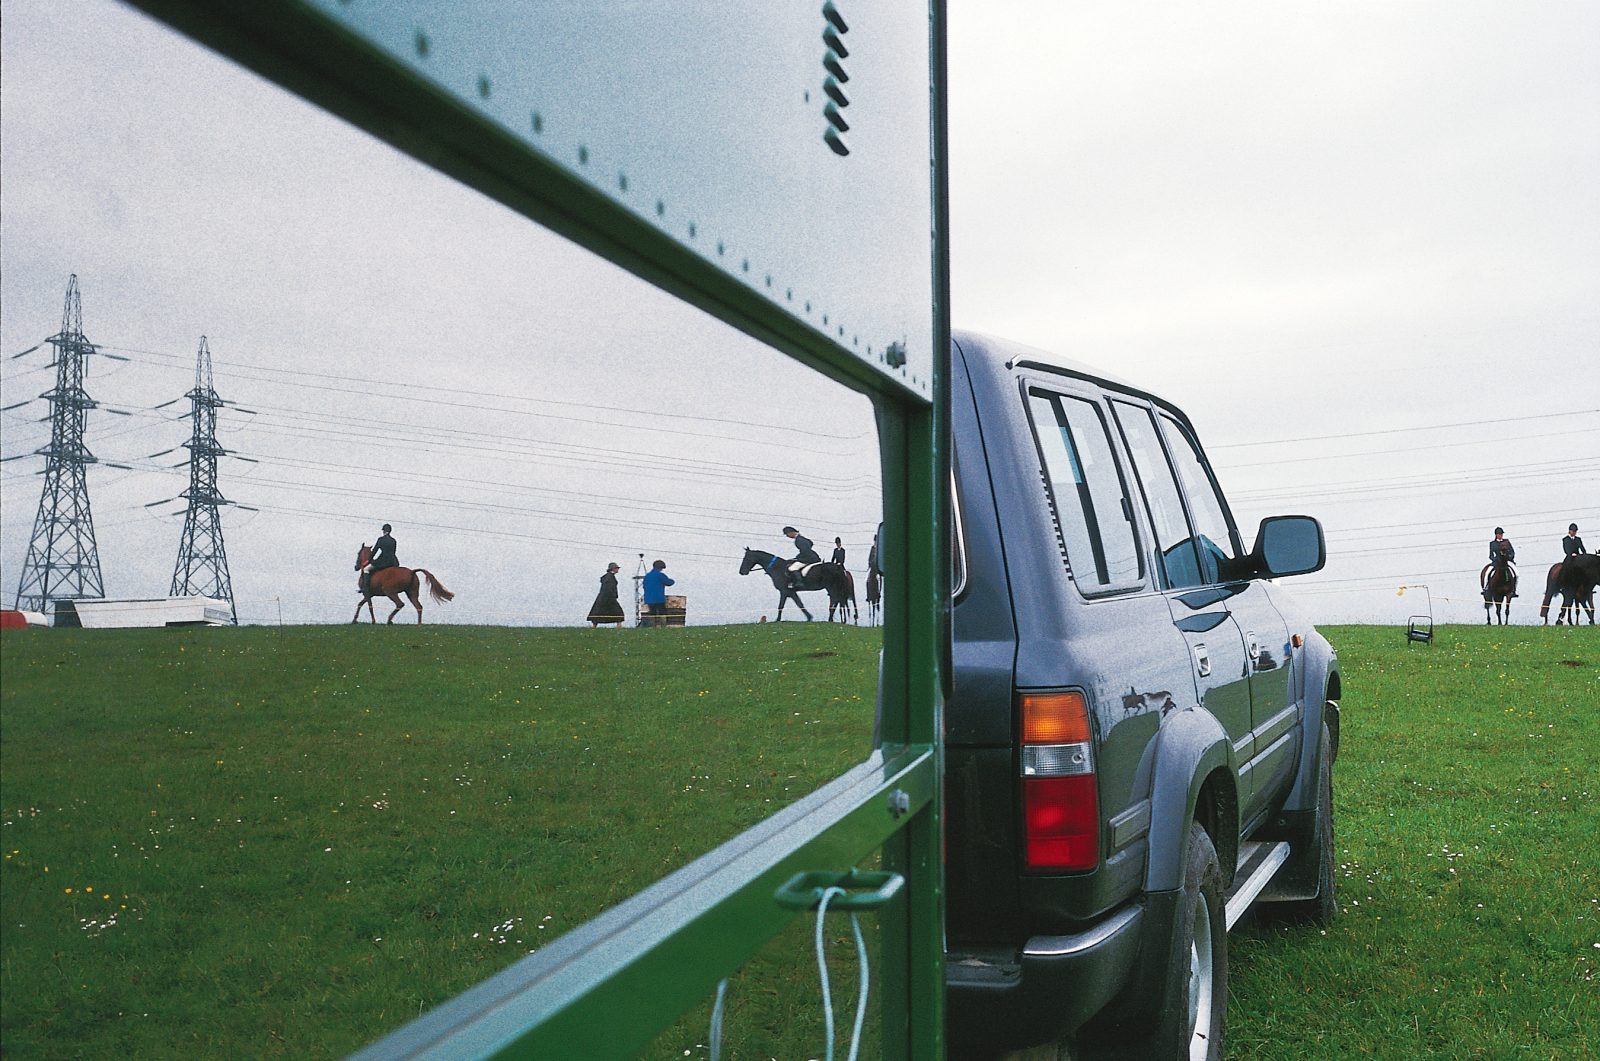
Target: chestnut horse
393 581
1575 581
1499 586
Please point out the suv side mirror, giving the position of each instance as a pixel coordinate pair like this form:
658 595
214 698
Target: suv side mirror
1289 545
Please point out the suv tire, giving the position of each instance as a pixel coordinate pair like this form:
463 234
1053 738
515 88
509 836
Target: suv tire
1193 1007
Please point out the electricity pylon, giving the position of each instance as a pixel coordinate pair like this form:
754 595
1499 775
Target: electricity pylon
63 562
202 566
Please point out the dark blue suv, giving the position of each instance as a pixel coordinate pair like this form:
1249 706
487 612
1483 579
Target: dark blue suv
1142 727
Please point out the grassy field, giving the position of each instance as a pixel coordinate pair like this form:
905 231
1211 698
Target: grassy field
265 841
1468 838
286 842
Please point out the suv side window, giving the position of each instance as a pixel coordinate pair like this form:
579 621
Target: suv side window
1213 533
1093 512
1175 549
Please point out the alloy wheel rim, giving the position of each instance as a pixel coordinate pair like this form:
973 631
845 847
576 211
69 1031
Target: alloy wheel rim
1201 983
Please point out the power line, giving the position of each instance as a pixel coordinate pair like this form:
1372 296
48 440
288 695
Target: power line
1414 449
367 390
1406 430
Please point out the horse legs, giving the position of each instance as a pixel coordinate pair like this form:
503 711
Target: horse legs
398 604
798 603
356 618
415 603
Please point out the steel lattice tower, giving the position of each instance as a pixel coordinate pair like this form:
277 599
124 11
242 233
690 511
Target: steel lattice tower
63 562
202 566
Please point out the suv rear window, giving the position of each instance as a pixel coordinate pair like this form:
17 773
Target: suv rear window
1089 492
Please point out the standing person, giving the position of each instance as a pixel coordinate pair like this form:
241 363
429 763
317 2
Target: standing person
655 589
1571 545
874 580
383 556
838 551
606 607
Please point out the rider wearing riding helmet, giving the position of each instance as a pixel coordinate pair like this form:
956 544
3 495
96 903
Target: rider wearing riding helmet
1571 545
1500 548
805 553
383 556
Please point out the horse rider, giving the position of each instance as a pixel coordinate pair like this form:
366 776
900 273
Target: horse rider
383 556
805 553
1571 545
1501 549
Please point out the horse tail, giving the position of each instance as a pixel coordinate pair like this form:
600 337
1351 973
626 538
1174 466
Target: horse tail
436 588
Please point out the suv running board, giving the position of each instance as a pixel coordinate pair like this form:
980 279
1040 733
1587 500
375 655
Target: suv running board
1257 864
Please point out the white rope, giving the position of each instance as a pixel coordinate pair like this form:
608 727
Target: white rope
716 1020
827 991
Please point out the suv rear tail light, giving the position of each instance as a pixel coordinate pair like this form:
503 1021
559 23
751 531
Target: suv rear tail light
1060 798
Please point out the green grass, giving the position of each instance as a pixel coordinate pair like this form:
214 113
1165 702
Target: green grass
1468 841
298 839
288 842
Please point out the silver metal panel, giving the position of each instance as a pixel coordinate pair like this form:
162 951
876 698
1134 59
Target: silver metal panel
709 121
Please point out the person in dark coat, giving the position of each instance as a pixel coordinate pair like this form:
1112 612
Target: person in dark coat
1571 545
1500 548
606 607
805 550
383 556
805 553
838 551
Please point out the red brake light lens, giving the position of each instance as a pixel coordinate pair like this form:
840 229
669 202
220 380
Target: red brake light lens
1062 816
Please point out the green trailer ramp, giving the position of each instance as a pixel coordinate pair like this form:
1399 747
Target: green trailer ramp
783 168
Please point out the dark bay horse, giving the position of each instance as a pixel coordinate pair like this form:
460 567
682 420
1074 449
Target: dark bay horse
834 578
1499 585
1575 580
393 581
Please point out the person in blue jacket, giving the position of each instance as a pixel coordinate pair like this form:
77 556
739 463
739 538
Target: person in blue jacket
655 588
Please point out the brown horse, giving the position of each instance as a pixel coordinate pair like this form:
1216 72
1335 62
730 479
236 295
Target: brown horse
393 581
1499 585
1575 581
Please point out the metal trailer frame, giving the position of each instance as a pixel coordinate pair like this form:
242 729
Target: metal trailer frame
608 987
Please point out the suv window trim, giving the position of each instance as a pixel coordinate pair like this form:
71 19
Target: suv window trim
1151 410
1193 441
1052 389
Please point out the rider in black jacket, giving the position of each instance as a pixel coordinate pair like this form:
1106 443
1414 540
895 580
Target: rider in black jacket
1571 545
383 555
1500 548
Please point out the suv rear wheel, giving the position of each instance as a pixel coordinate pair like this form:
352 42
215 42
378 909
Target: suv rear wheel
1194 998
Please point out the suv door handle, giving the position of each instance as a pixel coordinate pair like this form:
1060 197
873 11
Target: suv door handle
1255 650
1202 660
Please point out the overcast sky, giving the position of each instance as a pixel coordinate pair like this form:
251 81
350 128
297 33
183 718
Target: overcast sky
1358 243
